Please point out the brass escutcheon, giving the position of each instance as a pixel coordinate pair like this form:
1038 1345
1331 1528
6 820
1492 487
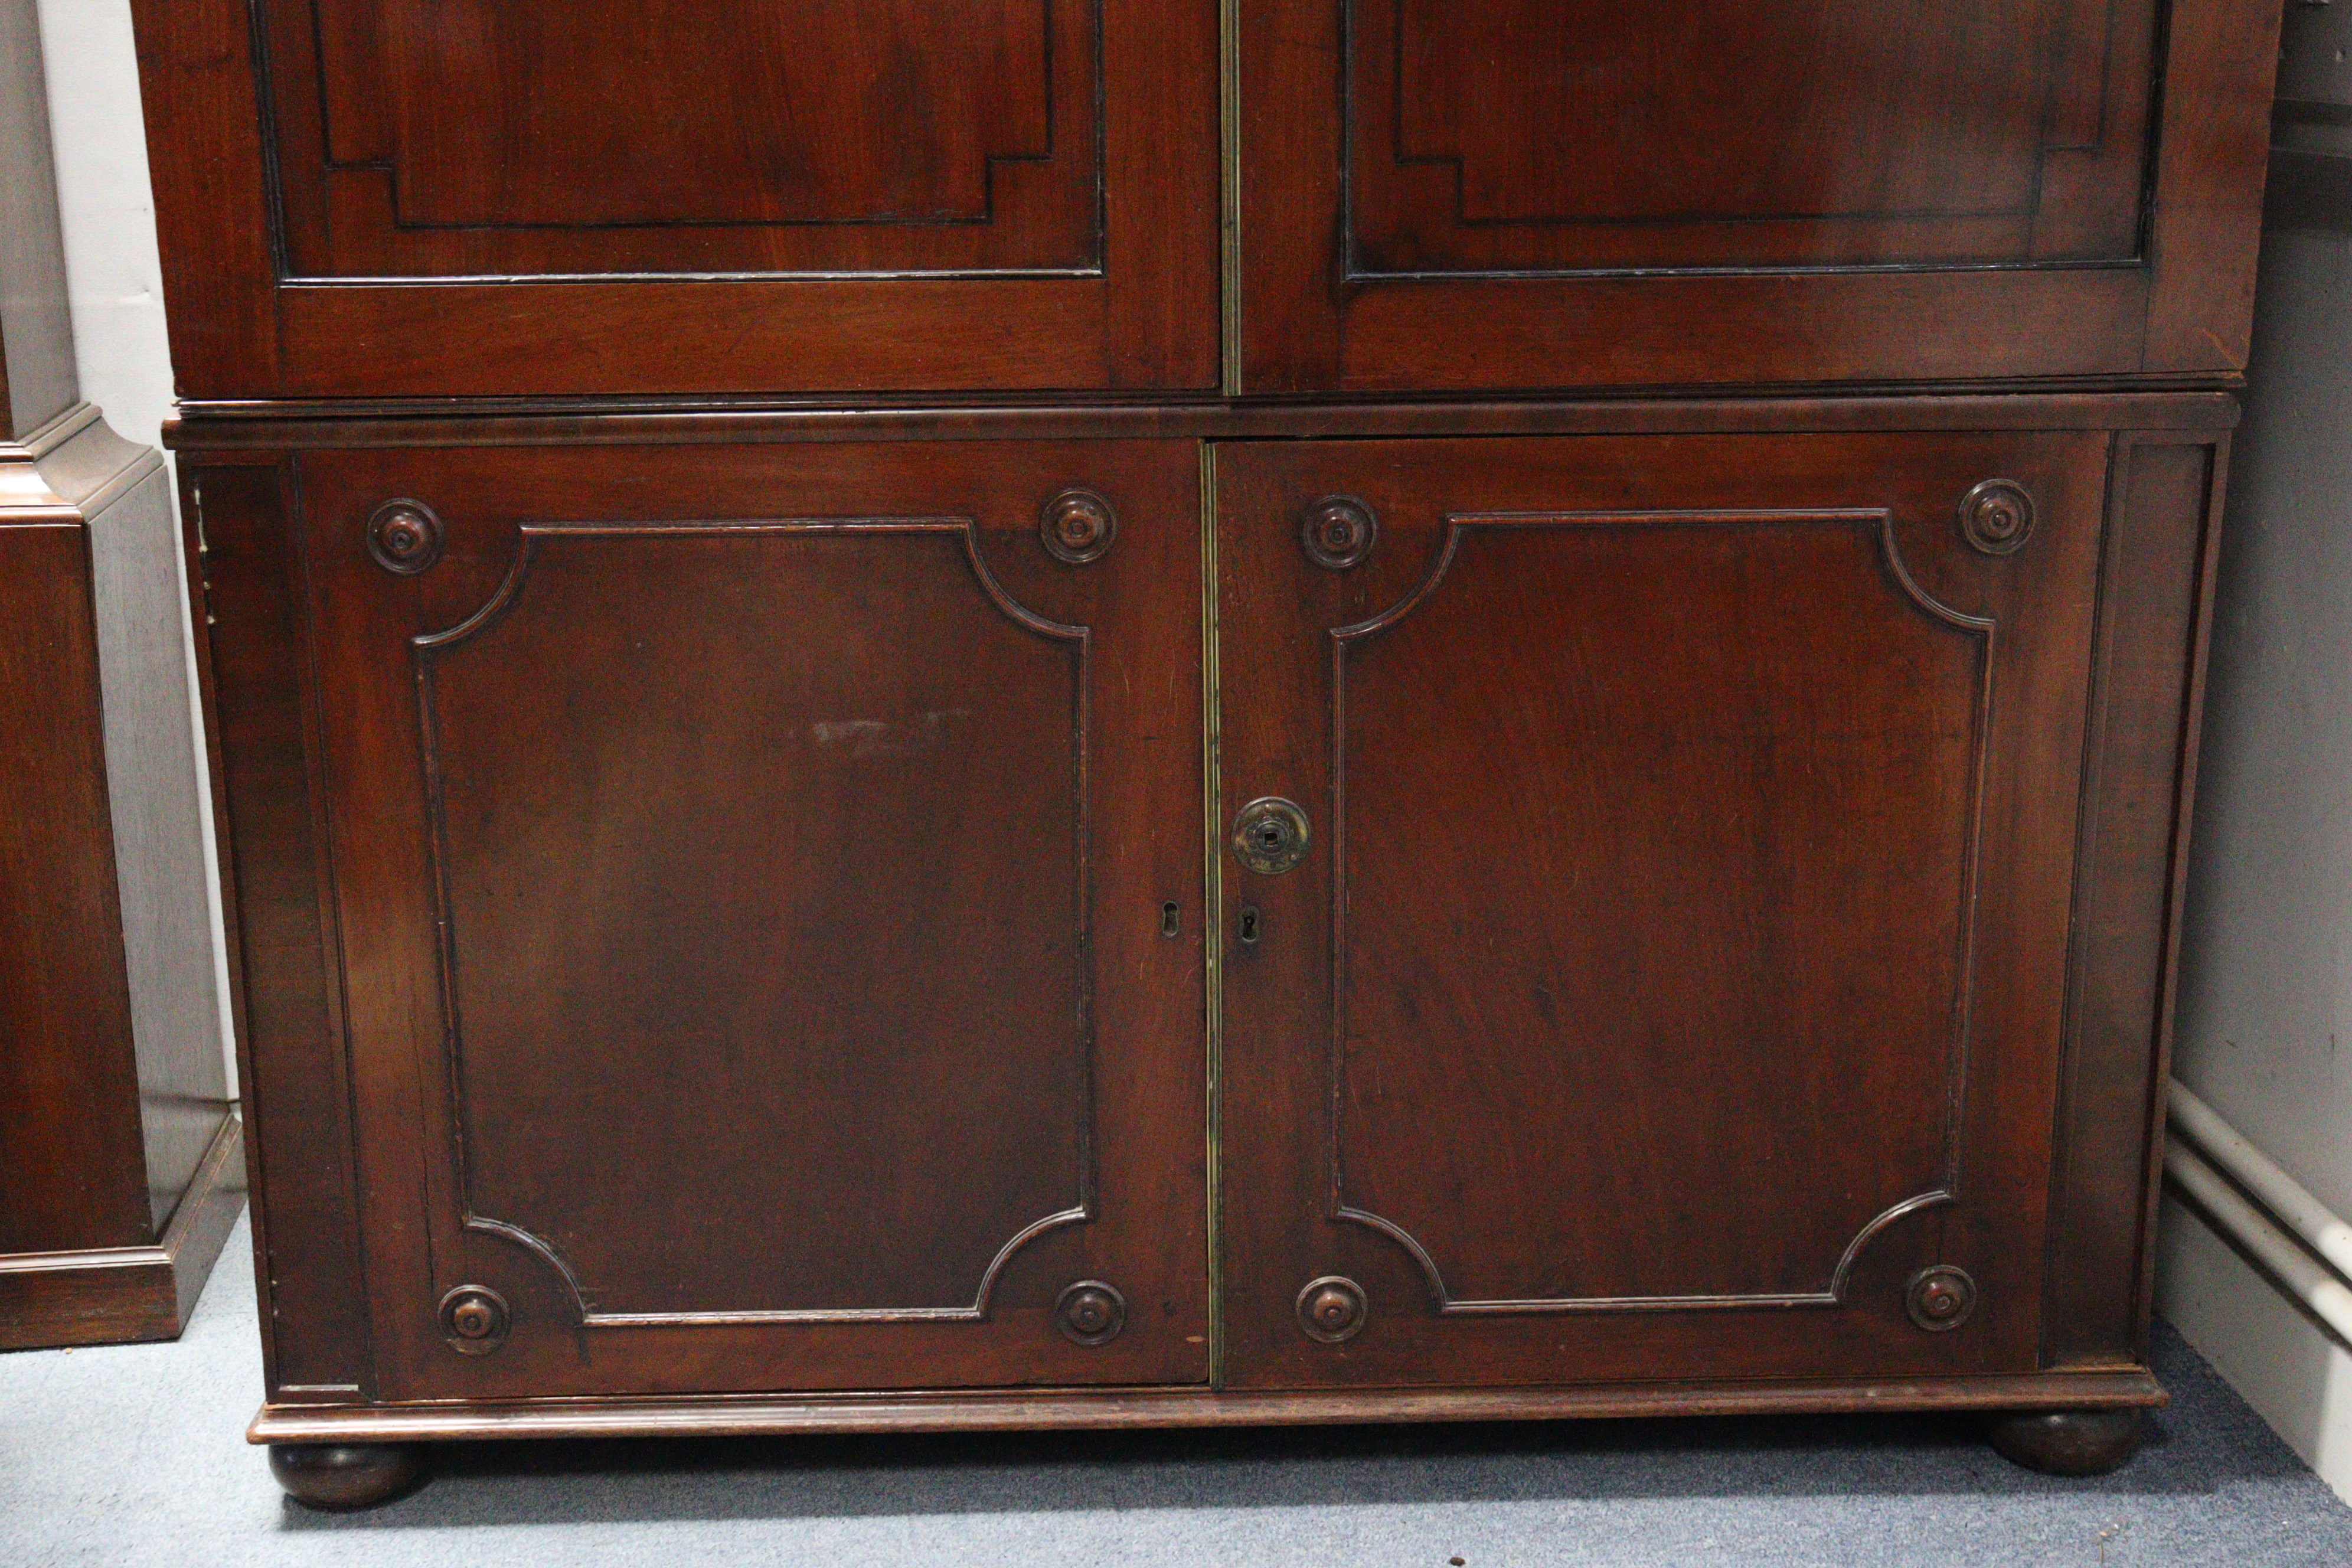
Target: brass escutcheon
1271 834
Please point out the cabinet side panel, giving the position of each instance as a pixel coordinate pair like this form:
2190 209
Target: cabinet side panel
159 846
70 1170
290 1050
2159 540
2206 222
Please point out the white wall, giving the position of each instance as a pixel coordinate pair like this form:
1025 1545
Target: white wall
110 214
113 275
2265 1027
2296 1373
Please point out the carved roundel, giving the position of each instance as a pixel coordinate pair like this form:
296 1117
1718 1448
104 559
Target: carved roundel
1996 516
404 537
1090 1312
474 1319
1338 532
1940 1299
1332 1308
1078 526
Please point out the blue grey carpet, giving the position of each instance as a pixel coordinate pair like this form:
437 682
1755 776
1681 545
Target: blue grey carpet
136 1455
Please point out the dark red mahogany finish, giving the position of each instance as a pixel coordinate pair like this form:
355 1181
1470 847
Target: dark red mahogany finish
1696 794
824 838
1771 195
374 196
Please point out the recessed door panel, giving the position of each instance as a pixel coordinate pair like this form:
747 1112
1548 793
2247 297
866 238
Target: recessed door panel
744 844
1677 957
815 135
715 808
1691 872
1746 135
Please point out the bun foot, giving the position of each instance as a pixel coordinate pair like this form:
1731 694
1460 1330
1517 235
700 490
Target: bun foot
338 1477
2067 1442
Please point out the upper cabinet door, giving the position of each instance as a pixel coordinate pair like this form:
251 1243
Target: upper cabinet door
1526 193
425 198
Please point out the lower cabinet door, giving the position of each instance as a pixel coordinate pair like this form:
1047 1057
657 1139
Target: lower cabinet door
1644 902
770 896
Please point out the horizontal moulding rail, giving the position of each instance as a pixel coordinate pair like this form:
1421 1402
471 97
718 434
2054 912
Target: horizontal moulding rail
2304 1246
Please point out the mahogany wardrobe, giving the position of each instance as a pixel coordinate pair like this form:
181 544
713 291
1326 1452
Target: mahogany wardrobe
997 713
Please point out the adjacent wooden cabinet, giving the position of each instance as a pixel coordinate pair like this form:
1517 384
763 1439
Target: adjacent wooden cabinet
121 1169
870 788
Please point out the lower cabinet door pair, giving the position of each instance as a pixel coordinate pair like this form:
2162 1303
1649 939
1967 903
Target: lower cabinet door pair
780 951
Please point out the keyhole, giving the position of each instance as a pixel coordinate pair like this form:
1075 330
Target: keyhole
1168 913
1249 923
1269 837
